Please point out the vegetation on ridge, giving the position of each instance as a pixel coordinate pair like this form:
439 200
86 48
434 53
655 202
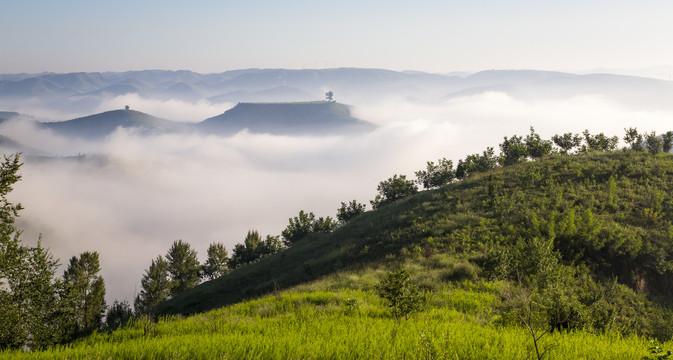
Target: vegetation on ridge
565 256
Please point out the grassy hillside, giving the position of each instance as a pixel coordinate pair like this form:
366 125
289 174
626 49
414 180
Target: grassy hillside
607 213
585 239
300 118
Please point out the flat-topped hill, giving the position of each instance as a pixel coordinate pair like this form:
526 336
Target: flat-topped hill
296 118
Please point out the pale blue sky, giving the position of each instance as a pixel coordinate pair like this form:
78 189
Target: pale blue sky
435 36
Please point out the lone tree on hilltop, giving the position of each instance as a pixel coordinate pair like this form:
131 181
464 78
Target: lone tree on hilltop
329 96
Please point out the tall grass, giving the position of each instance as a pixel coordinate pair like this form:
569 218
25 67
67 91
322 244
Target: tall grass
327 325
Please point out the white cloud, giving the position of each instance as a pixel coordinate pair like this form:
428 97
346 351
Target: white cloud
202 189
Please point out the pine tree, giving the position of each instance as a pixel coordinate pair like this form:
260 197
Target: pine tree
84 292
183 267
29 306
155 287
216 264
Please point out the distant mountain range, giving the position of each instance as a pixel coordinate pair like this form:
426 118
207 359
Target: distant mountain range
288 102
84 92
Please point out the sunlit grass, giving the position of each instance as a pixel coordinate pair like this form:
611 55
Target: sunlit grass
351 324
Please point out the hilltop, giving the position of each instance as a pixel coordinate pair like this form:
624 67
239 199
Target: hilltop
297 118
104 124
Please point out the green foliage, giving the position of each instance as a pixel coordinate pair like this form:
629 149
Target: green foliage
654 144
348 211
216 263
667 141
567 142
277 327
118 314
656 352
475 163
536 147
438 175
304 224
512 151
634 139
401 295
84 292
393 189
155 287
30 310
183 267
253 249
599 142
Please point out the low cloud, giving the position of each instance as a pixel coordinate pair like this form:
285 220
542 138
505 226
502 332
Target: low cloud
150 191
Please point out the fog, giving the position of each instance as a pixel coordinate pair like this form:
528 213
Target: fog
139 194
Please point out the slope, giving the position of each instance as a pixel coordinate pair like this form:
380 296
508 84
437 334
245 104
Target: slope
104 124
606 215
303 118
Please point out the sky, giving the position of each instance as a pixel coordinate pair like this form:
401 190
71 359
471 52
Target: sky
434 36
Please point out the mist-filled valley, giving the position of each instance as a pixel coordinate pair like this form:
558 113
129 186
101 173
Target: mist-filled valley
130 193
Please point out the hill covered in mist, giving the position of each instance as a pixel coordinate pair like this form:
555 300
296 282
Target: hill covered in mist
103 124
312 118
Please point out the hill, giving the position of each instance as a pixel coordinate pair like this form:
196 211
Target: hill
302 118
104 124
584 239
606 214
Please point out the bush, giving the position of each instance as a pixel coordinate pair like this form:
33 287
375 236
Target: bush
348 211
395 188
402 296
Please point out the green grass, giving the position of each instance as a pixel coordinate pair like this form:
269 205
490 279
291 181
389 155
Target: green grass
322 325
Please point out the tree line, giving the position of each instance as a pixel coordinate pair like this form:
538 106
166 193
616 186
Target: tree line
37 308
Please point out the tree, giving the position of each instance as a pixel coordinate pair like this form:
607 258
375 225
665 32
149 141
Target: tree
29 307
512 151
667 141
216 263
567 142
634 139
537 147
348 211
329 96
183 267
304 224
31 313
599 142
118 314
253 249
155 287
84 292
299 227
436 175
654 144
401 295
393 189
475 163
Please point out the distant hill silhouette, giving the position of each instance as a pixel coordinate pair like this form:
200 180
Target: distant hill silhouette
306 118
103 124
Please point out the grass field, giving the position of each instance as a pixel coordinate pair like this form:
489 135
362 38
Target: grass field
457 323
